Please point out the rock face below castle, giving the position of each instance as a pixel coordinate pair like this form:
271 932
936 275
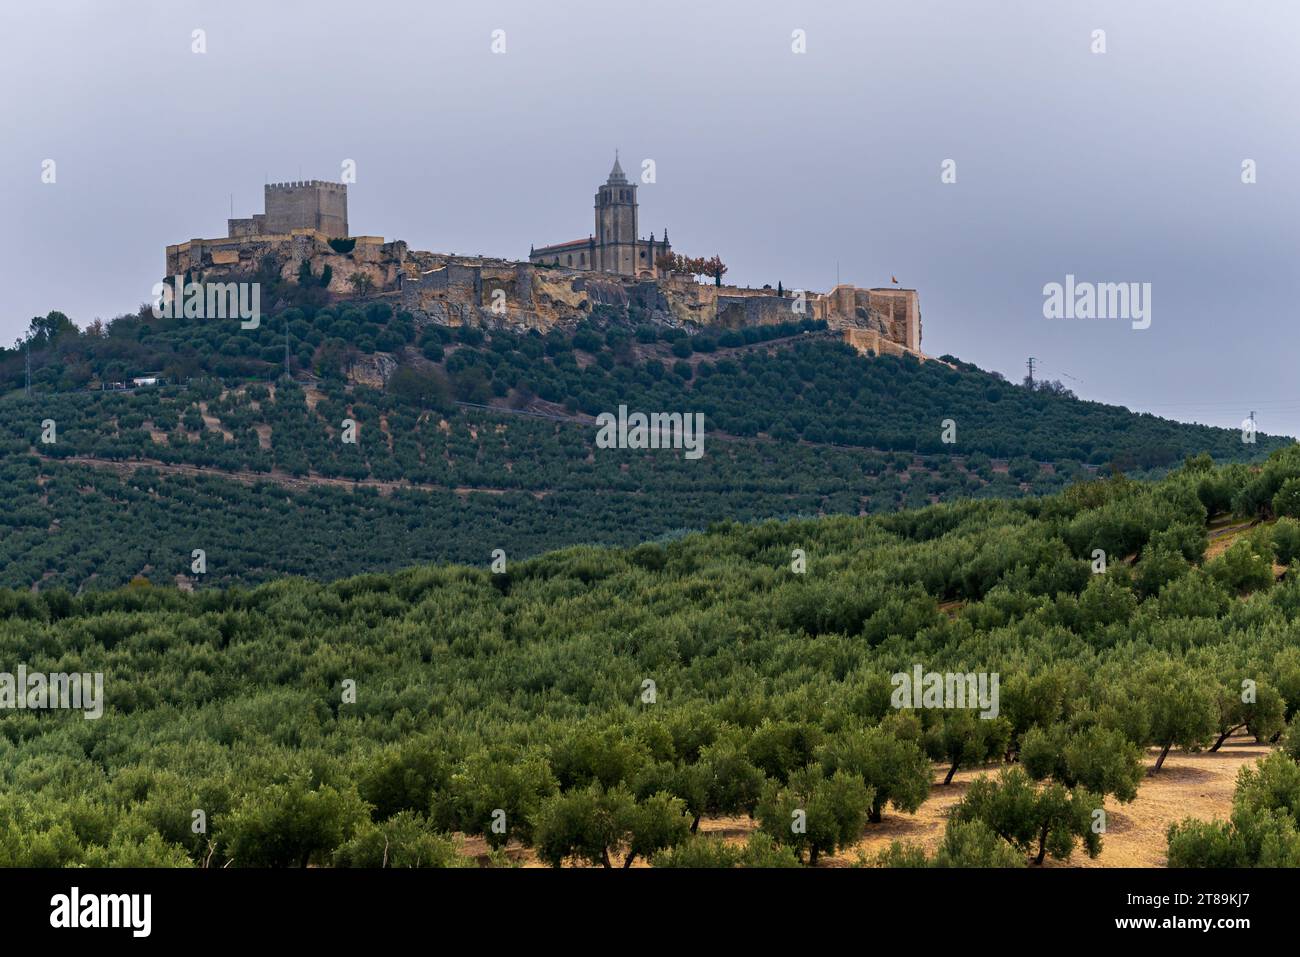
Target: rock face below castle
242 257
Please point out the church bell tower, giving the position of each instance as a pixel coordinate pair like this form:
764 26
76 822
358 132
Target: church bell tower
616 225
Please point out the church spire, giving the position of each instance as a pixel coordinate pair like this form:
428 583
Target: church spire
616 176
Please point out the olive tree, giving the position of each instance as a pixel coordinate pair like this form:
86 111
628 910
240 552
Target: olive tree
897 771
965 844
1035 820
1099 759
592 823
495 795
1169 705
963 740
814 812
1245 703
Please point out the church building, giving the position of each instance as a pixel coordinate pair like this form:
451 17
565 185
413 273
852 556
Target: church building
615 246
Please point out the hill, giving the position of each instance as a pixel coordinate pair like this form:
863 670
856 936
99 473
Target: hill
471 440
789 381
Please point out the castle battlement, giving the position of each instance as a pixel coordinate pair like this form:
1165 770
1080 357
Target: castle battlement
310 183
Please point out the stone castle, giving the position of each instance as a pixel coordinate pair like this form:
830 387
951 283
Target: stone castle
611 273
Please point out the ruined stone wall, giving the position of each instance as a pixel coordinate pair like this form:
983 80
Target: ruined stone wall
901 310
737 312
871 341
892 313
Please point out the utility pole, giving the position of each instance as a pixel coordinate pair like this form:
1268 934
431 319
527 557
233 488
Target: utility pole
1030 364
286 347
28 390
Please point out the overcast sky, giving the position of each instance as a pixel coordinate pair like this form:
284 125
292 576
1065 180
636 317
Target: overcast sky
1124 166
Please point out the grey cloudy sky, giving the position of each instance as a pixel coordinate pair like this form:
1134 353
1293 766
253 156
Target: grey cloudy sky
1117 167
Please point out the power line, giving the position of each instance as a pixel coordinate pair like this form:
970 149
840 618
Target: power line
1039 366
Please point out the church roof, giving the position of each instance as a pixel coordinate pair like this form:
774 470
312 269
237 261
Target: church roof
616 176
561 247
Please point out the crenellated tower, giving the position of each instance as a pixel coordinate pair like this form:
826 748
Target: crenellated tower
301 204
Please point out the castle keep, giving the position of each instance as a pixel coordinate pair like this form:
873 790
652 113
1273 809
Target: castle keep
615 246
310 204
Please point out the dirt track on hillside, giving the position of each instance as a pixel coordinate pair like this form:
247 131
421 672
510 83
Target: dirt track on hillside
299 483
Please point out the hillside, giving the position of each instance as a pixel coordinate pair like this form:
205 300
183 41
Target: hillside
472 440
654 686
785 381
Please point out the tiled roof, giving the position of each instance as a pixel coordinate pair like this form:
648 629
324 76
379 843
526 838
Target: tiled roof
562 247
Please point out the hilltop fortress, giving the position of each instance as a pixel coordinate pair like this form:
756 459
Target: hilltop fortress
613 271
